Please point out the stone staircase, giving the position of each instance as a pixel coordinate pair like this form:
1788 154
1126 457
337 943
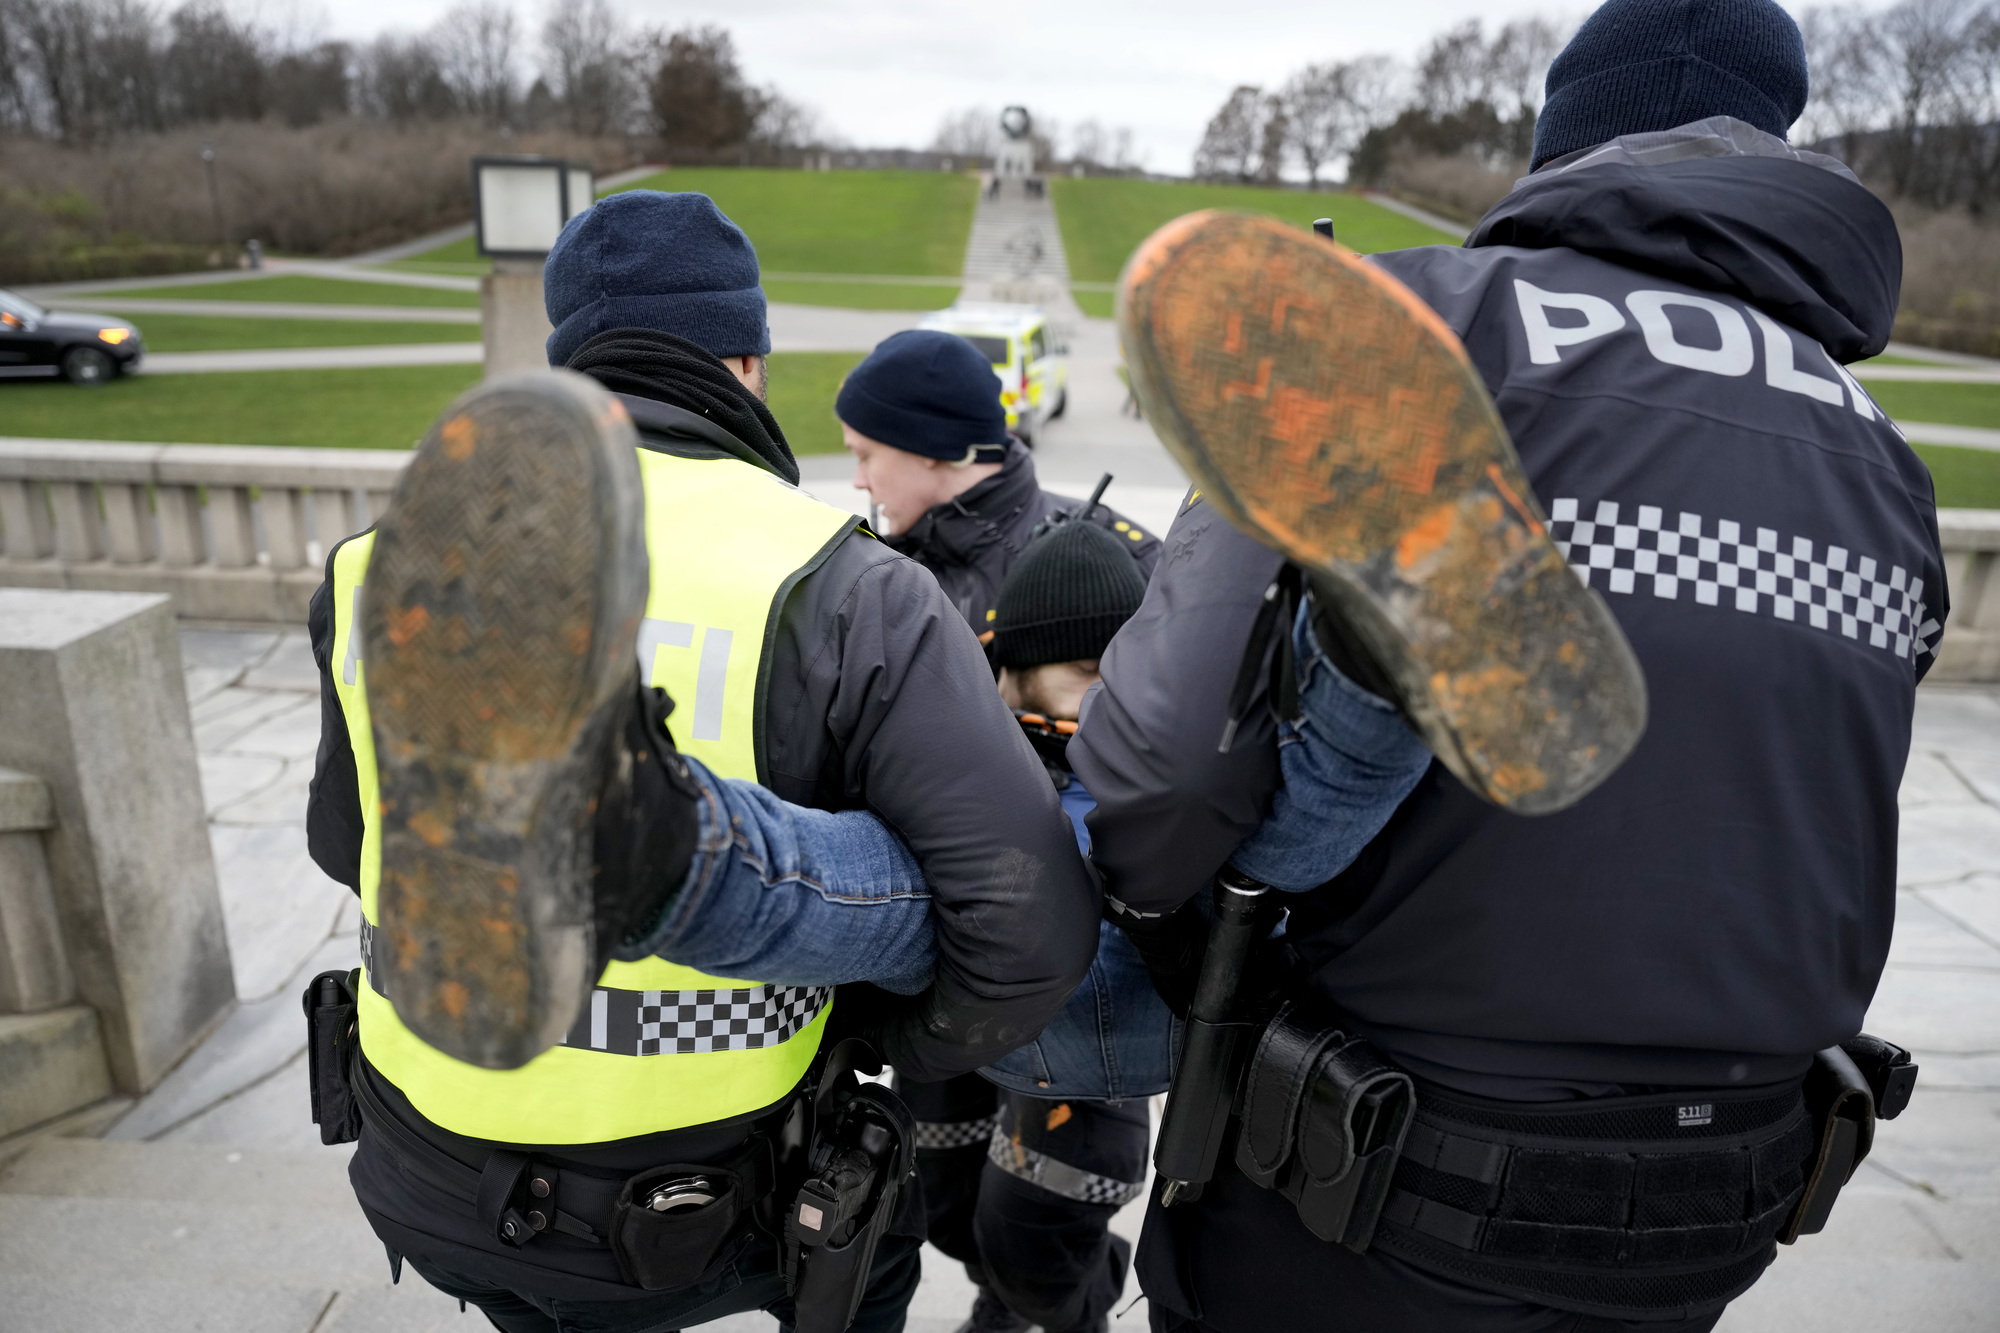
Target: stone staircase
1015 252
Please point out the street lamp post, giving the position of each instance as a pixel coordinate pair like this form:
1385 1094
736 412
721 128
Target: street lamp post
214 192
521 205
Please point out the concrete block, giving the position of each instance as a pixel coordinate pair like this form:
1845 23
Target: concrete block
92 699
24 802
34 970
50 1064
34 966
514 320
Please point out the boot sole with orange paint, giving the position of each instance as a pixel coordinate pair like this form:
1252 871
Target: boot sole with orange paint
1327 412
499 622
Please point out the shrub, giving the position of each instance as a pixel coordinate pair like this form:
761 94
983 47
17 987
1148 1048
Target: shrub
335 188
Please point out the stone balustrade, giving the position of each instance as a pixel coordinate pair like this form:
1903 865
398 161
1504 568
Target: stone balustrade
236 532
1971 647
230 532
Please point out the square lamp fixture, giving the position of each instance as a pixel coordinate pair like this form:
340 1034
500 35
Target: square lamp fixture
522 202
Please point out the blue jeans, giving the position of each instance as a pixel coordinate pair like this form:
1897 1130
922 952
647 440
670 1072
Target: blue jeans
796 897
803 897
1348 761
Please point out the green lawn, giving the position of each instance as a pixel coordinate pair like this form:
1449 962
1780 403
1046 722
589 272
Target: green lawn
1965 478
369 409
802 388
907 222
297 287
216 333
1944 404
1098 305
1896 361
1104 220
862 295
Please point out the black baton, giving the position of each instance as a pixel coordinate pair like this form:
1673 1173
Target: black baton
1204 1086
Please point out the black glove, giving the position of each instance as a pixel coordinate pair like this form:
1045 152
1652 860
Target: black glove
646 830
1172 947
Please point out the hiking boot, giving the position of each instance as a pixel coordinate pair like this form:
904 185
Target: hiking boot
499 627
1327 412
990 1316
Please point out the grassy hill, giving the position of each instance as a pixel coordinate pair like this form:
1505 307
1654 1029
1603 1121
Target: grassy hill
1103 221
807 223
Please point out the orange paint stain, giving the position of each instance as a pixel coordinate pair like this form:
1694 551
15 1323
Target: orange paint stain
406 623
1513 499
460 436
433 831
1232 334
1298 418
1427 537
452 998
1248 389
1061 1115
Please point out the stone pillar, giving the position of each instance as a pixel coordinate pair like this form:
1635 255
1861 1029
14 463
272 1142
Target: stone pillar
92 701
514 321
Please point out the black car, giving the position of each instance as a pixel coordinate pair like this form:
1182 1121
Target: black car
83 349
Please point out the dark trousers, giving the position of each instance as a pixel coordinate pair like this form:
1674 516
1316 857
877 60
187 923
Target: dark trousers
1046 1253
1239 1261
891 1283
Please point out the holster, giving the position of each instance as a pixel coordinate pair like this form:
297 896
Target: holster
1848 1088
671 1223
331 1042
862 1156
1324 1117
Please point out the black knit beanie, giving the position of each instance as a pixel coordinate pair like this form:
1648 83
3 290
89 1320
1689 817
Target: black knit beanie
1065 597
925 392
1636 66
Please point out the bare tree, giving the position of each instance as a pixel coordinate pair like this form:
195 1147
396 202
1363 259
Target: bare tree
1518 62
400 80
1230 146
1455 70
1273 140
784 126
308 86
215 65
701 105
475 44
971 133
586 61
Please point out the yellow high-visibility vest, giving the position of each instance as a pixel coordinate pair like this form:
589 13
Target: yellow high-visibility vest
660 1046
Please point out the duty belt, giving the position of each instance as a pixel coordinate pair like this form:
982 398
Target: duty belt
516 1195
1618 1206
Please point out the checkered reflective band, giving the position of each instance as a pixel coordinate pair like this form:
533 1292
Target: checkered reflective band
692 1022
1720 563
685 1022
1072 1182
940 1135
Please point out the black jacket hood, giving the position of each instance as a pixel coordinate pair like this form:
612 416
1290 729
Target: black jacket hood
1806 246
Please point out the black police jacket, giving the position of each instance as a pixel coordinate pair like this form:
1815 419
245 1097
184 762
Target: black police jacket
1661 342
970 541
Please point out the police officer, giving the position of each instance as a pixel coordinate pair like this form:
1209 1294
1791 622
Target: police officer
954 492
798 651
951 488
1608 1010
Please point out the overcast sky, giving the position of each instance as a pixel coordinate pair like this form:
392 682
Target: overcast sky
883 72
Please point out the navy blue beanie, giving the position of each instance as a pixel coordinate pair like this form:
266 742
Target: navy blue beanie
925 392
1641 65
645 259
